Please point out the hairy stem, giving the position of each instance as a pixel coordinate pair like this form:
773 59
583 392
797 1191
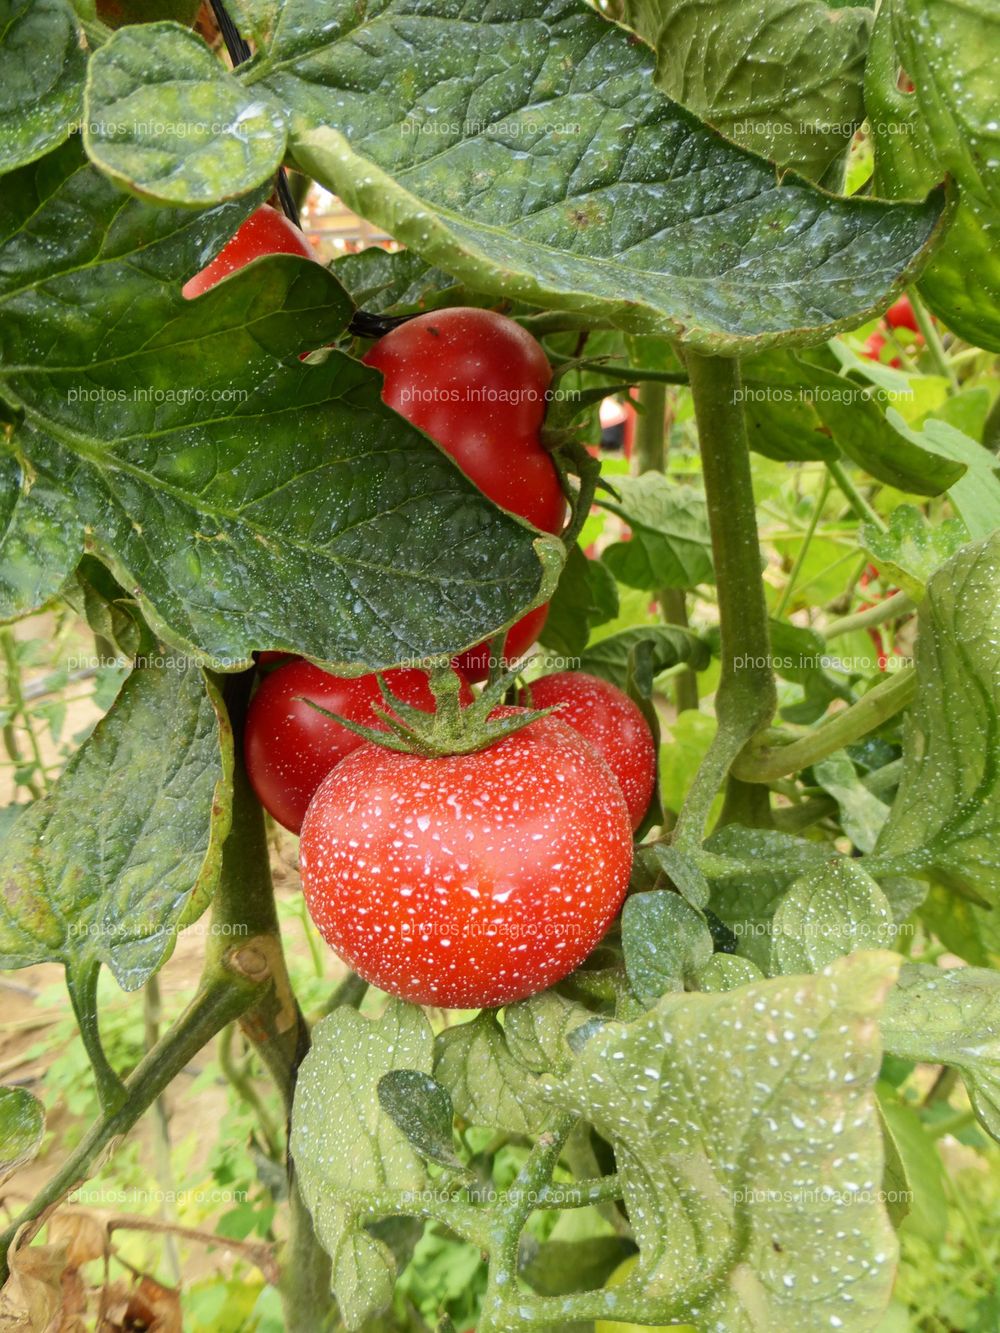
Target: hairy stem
81 982
746 699
890 608
766 763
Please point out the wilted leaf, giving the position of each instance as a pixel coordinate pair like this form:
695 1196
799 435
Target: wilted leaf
22 1124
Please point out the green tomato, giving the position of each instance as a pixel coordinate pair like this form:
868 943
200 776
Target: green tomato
607 1326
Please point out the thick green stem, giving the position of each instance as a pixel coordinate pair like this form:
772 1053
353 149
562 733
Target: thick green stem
766 763
746 698
274 1025
651 456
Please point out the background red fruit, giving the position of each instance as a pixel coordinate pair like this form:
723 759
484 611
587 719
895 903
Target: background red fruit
265 232
474 664
606 717
472 880
289 747
900 315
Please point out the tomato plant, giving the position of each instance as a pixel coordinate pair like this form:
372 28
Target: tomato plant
728 923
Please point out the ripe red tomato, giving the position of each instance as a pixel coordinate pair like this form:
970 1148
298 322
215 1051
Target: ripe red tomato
266 232
476 382
289 748
606 717
900 315
473 880
874 344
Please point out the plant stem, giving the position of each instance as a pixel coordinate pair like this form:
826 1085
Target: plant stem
855 499
890 608
509 1221
933 340
19 708
746 698
242 1084
803 551
651 456
152 1014
81 982
766 762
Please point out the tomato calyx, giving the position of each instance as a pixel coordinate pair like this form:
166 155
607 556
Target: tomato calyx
450 728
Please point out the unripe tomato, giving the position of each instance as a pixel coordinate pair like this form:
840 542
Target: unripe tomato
606 717
289 747
476 382
265 232
472 880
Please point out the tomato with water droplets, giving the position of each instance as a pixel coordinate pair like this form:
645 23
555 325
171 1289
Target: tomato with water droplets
473 880
605 716
265 232
289 747
476 383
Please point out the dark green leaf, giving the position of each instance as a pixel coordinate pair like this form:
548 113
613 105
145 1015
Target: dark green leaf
40 539
394 281
782 79
568 180
682 871
42 68
164 118
422 1109
665 941
561 1266
127 846
245 500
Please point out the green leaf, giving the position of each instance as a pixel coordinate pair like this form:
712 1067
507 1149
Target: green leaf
487 1085
586 595
684 874
670 545
166 120
568 180
393 281
915 1186
665 941
726 971
561 1266
22 1125
244 499
912 548
951 1018
944 825
913 146
747 1142
422 1109
42 68
346 1149
862 814
828 912
127 846
976 495
40 539
670 646
538 1030
784 80
749 870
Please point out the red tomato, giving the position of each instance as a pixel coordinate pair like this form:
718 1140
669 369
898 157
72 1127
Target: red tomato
476 383
606 717
289 748
266 232
473 880
901 316
874 344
